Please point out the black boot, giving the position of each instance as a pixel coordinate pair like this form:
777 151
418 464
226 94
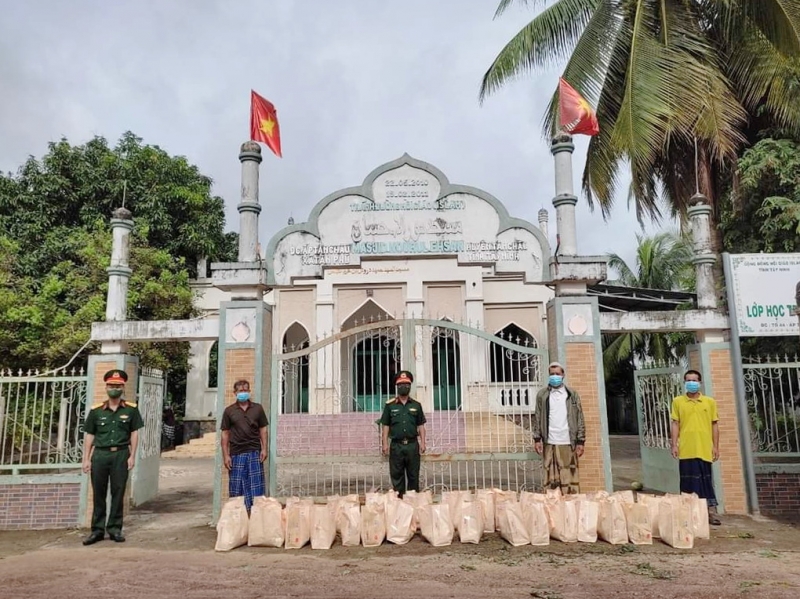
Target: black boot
93 538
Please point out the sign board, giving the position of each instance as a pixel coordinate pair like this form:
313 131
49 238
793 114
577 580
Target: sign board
407 212
763 288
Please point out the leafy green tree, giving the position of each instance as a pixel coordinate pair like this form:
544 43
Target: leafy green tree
55 244
664 74
74 186
763 214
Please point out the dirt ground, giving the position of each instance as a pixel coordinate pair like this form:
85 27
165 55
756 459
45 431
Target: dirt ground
169 553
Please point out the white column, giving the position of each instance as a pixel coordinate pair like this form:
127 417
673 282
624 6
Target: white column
326 374
197 380
249 208
565 199
119 273
543 218
202 268
704 257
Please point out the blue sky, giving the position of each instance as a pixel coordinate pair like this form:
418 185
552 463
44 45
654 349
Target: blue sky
356 83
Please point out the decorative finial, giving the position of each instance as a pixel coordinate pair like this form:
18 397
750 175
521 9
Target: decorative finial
122 214
251 146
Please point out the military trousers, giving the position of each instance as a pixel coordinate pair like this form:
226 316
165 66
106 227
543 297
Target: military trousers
404 462
109 467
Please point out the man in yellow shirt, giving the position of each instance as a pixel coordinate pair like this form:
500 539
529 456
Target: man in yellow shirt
695 441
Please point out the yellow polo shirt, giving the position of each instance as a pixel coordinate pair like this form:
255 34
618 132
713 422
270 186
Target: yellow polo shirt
694 417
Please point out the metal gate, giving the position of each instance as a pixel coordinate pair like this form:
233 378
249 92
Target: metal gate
144 481
655 389
477 389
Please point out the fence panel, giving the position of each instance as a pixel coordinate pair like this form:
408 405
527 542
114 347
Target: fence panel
41 420
772 394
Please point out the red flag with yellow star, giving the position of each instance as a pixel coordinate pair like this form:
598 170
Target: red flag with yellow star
575 114
264 123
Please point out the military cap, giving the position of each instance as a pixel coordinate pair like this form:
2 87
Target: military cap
404 377
115 377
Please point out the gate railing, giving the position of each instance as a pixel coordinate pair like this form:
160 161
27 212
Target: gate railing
41 420
772 394
655 389
477 390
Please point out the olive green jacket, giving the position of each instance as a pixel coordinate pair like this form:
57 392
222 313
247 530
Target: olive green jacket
541 420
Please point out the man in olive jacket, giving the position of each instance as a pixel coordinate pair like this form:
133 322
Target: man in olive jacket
559 432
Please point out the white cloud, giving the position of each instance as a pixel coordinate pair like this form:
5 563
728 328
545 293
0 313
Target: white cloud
356 84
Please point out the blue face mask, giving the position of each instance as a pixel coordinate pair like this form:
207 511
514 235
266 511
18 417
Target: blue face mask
243 396
555 380
692 386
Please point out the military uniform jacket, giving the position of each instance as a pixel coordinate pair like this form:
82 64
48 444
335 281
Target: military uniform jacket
113 428
402 420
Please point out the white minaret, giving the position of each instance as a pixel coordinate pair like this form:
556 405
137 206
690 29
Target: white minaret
544 216
565 199
119 273
249 208
704 258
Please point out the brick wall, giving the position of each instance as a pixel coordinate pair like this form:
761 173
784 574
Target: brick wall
730 456
582 376
39 506
695 360
779 494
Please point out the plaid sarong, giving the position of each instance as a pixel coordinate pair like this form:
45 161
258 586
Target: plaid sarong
697 477
246 477
561 469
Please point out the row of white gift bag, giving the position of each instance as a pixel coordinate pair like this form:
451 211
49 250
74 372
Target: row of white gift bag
521 519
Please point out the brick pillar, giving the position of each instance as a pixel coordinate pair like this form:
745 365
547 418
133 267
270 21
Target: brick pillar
245 341
714 361
96 393
574 340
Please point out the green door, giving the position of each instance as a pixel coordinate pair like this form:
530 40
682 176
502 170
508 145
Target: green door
373 369
446 370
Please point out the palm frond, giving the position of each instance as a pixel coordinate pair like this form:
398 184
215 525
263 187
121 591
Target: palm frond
547 40
588 65
778 20
505 4
618 349
768 81
625 273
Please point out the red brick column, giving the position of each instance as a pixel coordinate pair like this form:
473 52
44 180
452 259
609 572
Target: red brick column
720 379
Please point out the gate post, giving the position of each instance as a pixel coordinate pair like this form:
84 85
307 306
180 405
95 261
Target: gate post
245 322
113 354
574 340
573 327
719 362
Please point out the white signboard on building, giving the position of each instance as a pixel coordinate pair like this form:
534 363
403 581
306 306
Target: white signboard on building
406 213
764 293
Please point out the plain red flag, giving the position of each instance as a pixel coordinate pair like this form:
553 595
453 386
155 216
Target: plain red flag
264 123
575 114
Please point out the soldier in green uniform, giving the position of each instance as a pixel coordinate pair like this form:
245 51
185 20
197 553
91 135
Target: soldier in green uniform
109 452
404 422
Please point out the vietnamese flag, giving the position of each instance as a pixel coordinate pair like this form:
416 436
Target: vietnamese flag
264 123
575 114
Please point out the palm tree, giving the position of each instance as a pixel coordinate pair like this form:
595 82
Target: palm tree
671 79
663 261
